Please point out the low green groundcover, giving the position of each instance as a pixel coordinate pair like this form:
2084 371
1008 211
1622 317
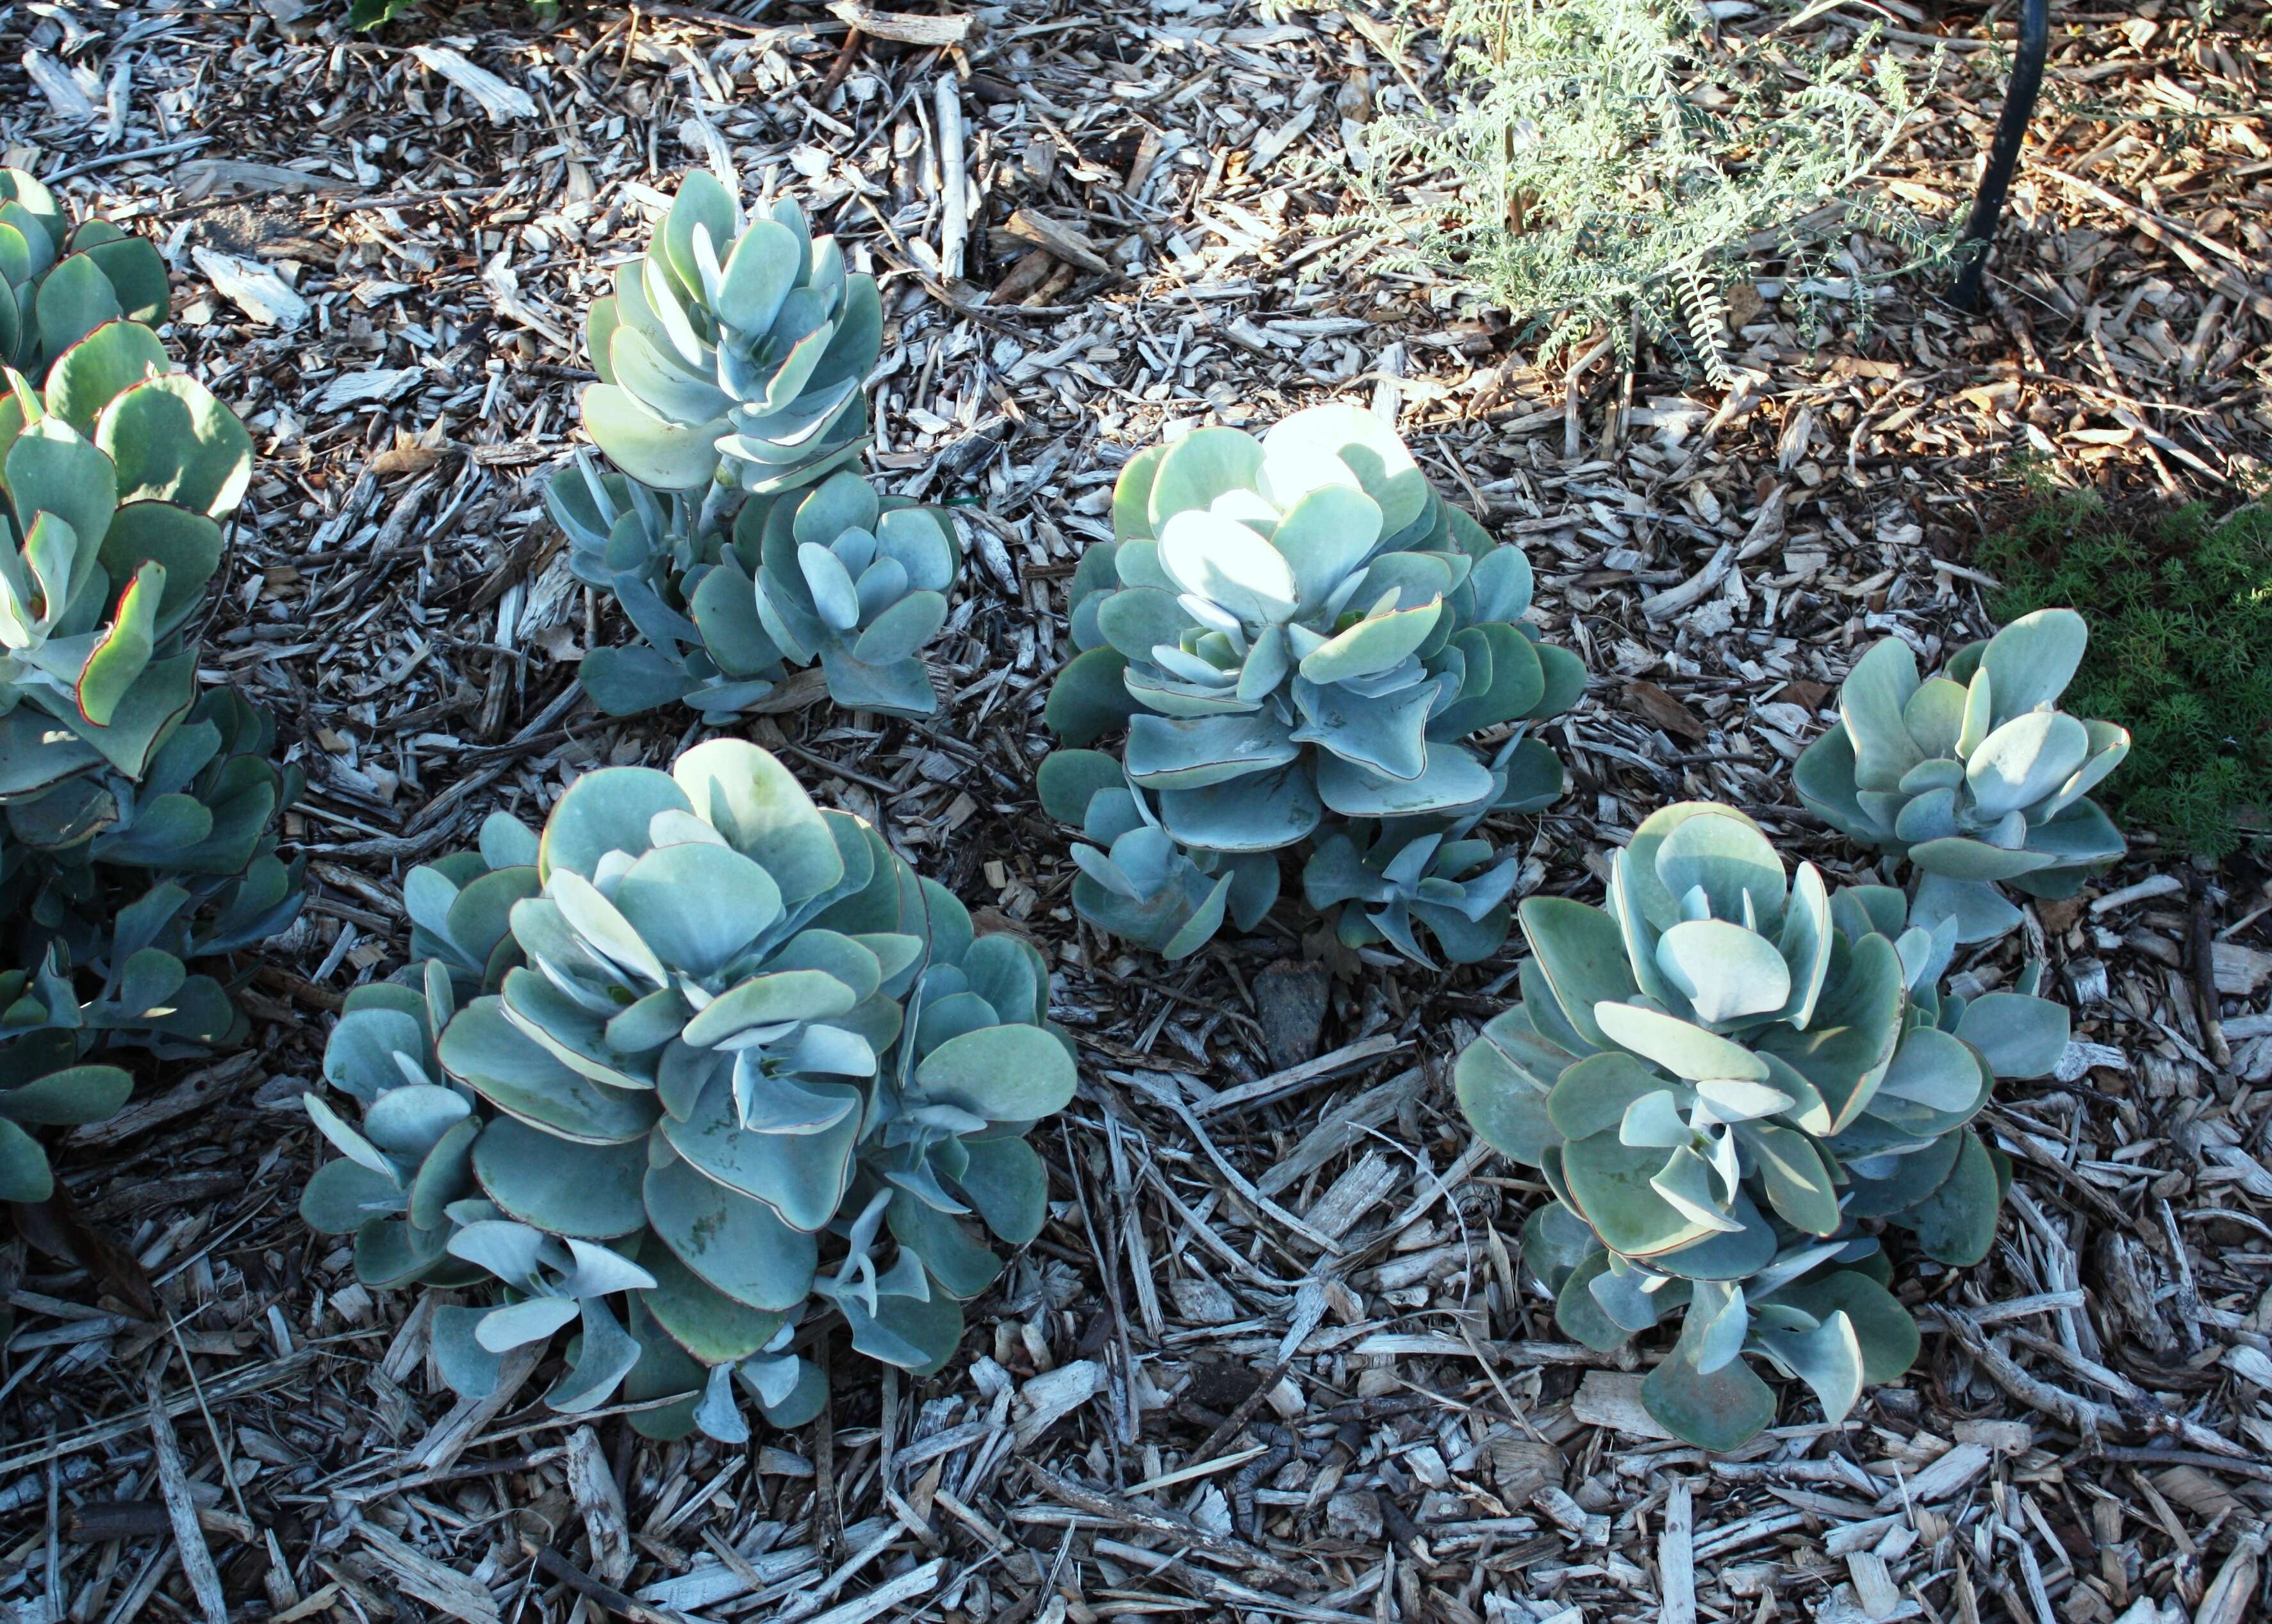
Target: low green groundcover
2180 611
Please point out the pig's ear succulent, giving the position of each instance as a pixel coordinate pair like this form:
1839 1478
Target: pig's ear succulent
858 583
140 816
1296 632
1975 777
43 1084
1735 1083
835 576
59 282
733 351
696 1064
1135 881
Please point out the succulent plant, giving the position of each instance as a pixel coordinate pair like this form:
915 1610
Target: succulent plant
699 1056
732 353
1136 881
834 575
1731 1080
1297 629
64 281
1387 875
43 1083
138 819
190 848
118 474
1976 777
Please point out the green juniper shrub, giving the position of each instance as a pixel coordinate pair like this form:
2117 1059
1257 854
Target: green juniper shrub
2180 652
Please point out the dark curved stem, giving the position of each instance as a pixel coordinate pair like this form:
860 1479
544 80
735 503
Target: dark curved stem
2004 155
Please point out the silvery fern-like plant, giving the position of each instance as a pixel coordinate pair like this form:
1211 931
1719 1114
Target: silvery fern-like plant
1296 632
695 1062
1734 1082
1975 777
835 576
732 352
59 282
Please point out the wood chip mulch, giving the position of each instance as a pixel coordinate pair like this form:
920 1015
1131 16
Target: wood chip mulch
1273 1357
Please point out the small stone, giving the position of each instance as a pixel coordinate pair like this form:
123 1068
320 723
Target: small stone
1291 997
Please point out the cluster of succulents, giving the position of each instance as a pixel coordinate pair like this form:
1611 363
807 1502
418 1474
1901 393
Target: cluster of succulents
138 817
62 281
1734 1082
835 574
1302 641
733 352
732 356
695 1061
1975 777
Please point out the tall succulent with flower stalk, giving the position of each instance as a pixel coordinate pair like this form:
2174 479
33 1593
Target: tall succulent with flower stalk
1733 1082
1300 634
138 819
696 1061
732 353
1974 777
834 575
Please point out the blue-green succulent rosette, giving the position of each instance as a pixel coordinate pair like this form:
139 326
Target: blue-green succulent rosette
1302 639
697 1064
1974 777
1734 1082
837 575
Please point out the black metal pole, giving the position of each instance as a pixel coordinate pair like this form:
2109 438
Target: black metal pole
2004 156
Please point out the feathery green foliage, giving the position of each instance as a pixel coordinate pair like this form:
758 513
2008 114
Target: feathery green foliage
1580 182
2180 653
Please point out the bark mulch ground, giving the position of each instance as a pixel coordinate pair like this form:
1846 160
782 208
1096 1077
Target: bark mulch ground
1273 1357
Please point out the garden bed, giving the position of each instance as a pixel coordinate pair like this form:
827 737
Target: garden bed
387 281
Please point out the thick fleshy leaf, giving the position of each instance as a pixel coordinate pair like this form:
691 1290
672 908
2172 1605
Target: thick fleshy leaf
1088 699
90 373
2019 1036
2030 662
1004 1074
1008 1186
651 448
1828 1359
2025 760
74 1095
1502 1080
1725 972
1873 701
764 813
1593 1095
482 1049
1719 1411
564 1189
1684 1050
1612 1185
740 1245
1190 474
711 1326
1582 954
1956 1224
1934 1070
173 442
801 1176
342 1197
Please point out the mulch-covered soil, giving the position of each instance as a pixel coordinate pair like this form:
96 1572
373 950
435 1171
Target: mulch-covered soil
1273 1357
